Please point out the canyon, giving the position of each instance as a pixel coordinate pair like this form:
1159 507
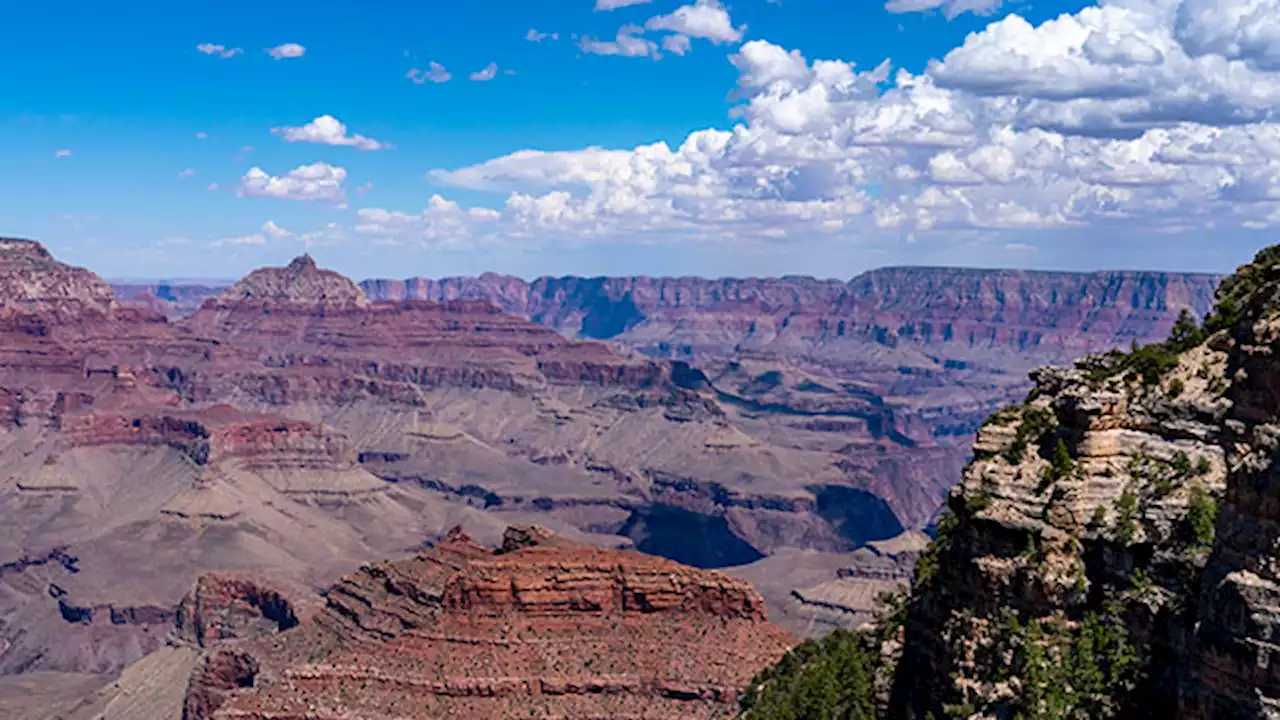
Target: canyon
295 425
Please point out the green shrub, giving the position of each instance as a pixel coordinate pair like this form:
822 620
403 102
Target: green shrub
1126 513
1202 515
1234 291
930 560
828 679
1060 460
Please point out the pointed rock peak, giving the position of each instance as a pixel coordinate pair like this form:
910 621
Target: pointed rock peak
303 263
301 282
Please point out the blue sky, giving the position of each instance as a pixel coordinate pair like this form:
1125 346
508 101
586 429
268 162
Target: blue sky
131 151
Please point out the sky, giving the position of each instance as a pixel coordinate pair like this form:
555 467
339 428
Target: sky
157 139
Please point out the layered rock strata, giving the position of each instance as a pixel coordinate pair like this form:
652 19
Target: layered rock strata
1087 514
541 627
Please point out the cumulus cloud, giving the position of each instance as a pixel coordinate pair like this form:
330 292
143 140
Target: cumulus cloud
327 130
535 36
950 8
221 51
271 229
286 51
706 19
435 73
186 173
628 43
676 44
486 74
615 4
1132 116
64 153
202 135
318 181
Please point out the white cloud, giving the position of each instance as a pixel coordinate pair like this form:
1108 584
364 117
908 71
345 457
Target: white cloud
64 153
202 135
535 36
706 19
434 73
676 44
489 72
327 130
221 51
286 51
628 43
187 173
615 4
270 228
950 8
318 181
1133 117
242 240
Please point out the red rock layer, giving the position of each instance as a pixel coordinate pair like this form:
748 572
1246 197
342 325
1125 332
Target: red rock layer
544 628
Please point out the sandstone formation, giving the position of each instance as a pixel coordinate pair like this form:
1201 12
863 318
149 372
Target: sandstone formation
541 627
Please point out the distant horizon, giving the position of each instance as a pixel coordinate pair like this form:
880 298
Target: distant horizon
224 282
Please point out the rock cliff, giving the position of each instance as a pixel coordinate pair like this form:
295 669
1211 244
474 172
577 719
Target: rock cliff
934 350
541 627
1110 551
918 355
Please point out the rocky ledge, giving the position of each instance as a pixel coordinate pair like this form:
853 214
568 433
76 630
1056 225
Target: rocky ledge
541 627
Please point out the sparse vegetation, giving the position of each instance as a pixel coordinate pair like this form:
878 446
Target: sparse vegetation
1202 516
929 562
1060 460
1126 515
1203 466
978 501
1035 423
1151 362
1099 518
1236 289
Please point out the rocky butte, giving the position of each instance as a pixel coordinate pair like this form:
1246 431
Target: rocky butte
1111 550
541 627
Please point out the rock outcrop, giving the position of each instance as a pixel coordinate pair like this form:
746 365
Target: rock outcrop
1082 515
1111 550
542 627
31 281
